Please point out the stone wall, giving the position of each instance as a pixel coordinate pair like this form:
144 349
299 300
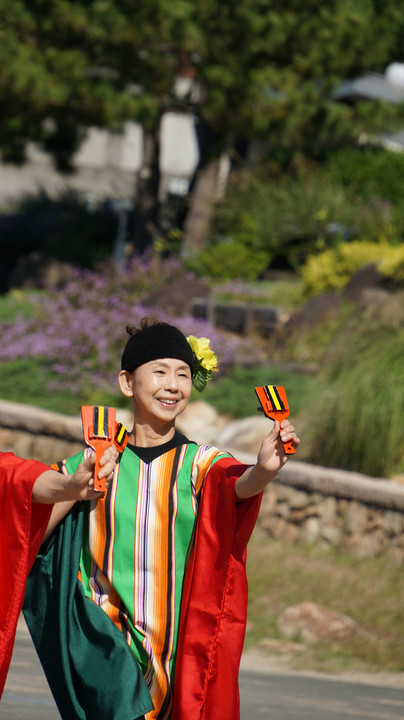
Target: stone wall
46 436
240 318
306 503
333 508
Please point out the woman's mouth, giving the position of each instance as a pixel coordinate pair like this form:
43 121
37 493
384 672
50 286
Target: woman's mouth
168 401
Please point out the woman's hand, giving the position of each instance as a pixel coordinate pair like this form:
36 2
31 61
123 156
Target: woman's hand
53 487
81 483
271 458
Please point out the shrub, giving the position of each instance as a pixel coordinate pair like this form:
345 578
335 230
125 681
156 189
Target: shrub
229 259
287 216
309 209
331 269
368 172
357 423
392 266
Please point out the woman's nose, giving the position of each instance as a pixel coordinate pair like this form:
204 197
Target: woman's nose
172 381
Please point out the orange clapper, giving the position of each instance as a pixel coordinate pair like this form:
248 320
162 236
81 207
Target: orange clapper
275 406
101 430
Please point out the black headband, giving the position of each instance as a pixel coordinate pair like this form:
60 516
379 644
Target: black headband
154 343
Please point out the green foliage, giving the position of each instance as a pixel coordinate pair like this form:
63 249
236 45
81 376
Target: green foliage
228 259
267 68
331 269
233 394
356 423
368 172
27 381
372 178
296 214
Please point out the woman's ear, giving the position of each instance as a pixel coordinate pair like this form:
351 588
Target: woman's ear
125 380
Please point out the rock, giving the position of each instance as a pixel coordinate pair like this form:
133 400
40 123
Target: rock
290 533
310 530
282 510
246 434
355 517
321 307
312 623
275 526
177 297
331 534
329 512
299 500
365 277
202 423
269 500
393 522
364 546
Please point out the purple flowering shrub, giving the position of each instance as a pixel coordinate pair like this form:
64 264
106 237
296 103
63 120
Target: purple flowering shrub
79 332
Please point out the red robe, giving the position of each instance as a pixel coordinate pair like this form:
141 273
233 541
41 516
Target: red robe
214 604
22 527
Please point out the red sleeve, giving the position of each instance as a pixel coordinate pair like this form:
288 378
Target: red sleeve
22 527
214 604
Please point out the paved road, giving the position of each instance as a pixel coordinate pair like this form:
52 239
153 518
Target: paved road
293 697
264 695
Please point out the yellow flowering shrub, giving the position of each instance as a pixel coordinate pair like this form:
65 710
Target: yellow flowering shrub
331 269
392 265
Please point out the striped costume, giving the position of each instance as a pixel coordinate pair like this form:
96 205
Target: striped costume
134 556
175 588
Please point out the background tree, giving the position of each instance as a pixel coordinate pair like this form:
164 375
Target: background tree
267 69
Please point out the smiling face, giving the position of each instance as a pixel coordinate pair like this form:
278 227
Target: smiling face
160 391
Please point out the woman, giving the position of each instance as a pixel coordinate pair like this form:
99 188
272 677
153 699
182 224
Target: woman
164 555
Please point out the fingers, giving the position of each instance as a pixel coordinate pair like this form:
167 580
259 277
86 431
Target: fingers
108 462
82 482
110 455
88 462
288 433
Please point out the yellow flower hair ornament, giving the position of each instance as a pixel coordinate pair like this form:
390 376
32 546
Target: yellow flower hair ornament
206 363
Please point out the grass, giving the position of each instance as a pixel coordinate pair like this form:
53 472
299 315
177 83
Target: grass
285 292
369 590
234 394
357 423
14 304
26 381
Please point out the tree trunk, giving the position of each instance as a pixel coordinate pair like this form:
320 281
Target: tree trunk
203 198
146 203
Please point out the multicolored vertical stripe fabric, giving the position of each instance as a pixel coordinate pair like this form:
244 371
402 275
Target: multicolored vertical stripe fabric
135 554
